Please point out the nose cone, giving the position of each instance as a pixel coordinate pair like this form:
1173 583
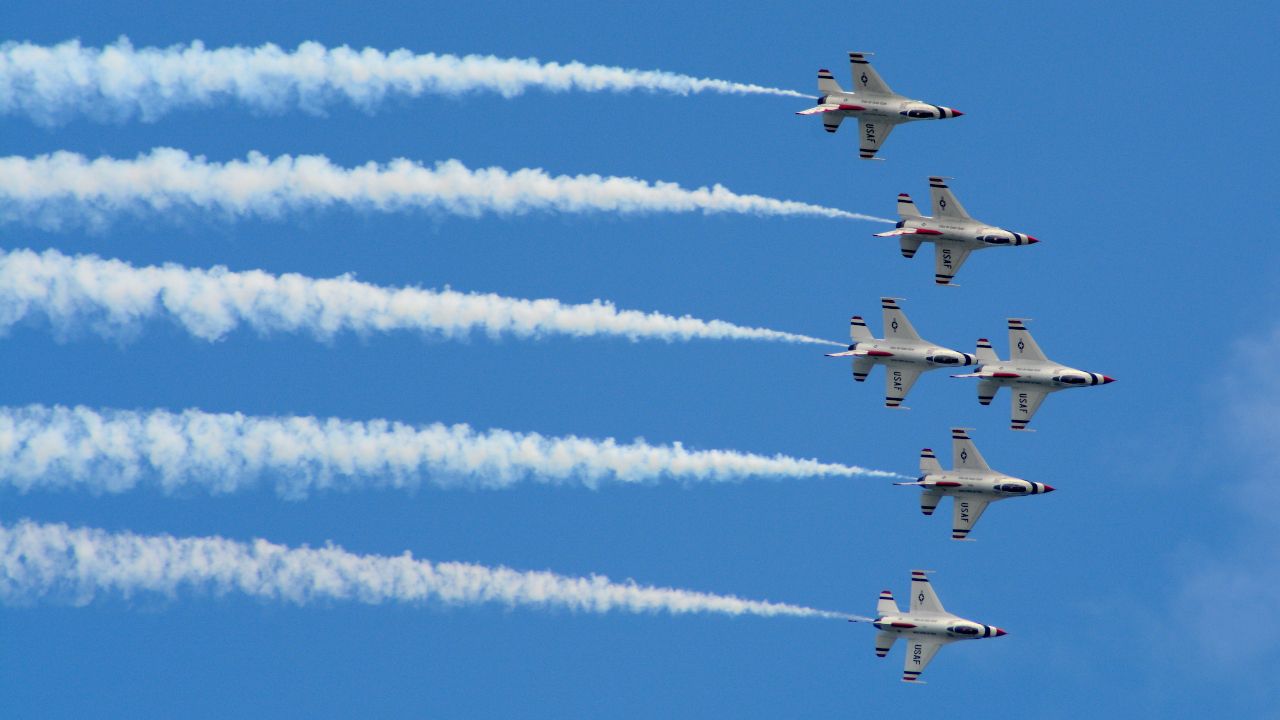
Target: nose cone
1107 379
1000 632
1031 240
1048 488
955 112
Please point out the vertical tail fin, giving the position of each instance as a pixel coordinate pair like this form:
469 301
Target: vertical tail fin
827 83
858 331
907 208
929 462
886 606
985 353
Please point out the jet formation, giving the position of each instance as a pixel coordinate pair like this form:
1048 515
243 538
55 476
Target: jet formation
1028 373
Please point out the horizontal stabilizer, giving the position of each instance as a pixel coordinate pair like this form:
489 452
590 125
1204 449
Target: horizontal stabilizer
929 462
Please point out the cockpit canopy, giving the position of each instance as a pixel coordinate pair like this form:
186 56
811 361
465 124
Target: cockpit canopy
1011 488
964 630
1069 379
994 239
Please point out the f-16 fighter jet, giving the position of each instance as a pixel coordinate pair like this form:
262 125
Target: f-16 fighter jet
877 108
1028 374
972 483
951 230
902 351
926 627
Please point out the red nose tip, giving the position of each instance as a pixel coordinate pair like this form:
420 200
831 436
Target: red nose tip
1000 632
1107 379
955 113
1048 488
1031 240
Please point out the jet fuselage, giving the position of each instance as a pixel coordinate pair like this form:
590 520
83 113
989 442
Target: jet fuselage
944 628
900 351
990 486
1044 376
973 233
895 107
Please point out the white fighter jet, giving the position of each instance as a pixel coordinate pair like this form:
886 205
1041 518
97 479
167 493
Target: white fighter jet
972 483
877 108
1029 375
926 627
951 230
902 351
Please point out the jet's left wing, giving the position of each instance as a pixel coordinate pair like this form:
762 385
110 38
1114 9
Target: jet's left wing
947 260
967 512
964 454
923 599
873 133
1026 401
919 652
898 379
865 77
945 203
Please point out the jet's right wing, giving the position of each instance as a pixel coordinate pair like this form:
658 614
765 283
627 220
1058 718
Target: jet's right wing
1021 345
964 454
1026 401
898 379
923 598
865 77
945 203
967 512
919 652
947 259
874 131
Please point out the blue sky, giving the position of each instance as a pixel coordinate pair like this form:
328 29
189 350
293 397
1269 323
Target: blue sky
1132 141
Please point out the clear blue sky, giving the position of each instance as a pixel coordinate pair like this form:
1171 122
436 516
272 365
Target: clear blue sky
1136 141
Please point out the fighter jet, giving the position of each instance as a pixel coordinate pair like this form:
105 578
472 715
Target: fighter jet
951 230
972 483
927 627
877 108
1028 374
902 351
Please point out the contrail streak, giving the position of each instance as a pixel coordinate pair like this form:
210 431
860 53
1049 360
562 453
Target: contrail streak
61 187
113 298
60 563
52 84
114 451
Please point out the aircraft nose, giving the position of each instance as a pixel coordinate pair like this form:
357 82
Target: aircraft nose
955 112
1048 488
1107 379
1031 240
1000 632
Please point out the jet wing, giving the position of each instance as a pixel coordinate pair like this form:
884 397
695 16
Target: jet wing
919 652
896 324
1021 345
947 259
945 203
1026 401
967 512
964 454
898 379
923 599
875 131
865 77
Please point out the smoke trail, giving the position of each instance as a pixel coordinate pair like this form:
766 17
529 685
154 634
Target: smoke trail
63 186
114 451
54 561
51 84
113 297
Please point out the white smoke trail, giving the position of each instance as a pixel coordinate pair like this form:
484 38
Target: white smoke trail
113 297
57 562
64 186
113 451
51 84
